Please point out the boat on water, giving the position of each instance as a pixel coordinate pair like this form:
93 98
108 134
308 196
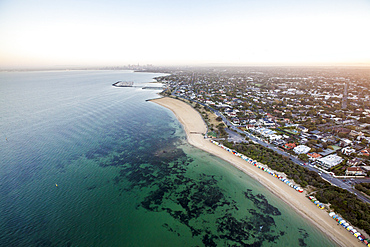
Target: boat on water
123 84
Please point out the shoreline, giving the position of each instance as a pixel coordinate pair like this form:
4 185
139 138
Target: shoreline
195 129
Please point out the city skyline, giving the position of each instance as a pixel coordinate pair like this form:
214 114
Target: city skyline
96 33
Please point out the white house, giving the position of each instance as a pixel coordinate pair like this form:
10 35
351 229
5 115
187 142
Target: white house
330 161
348 150
301 149
274 137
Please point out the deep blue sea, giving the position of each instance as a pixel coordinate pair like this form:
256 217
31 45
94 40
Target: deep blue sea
83 163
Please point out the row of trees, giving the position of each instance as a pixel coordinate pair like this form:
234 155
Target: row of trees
364 187
341 201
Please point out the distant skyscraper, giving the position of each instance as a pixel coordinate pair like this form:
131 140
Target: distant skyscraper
345 96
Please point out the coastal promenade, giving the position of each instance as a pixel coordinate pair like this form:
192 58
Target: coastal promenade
195 129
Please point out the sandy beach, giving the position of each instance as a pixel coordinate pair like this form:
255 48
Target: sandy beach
195 128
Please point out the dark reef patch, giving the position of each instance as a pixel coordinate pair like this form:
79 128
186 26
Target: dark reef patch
304 235
162 171
261 202
168 182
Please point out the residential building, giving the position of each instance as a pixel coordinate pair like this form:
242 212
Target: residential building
303 129
348 150
345 142
365 152
301 149
354 162
330 161
314 156
354 171
289 146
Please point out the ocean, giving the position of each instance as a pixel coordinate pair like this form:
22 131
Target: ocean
87 164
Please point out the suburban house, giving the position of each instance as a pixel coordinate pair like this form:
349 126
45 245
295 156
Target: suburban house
314 156
354 162
301 149
302 128
348 150
289 146
365 152
354 171
330 161
345 142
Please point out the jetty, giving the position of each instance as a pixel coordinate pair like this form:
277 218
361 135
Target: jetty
123 84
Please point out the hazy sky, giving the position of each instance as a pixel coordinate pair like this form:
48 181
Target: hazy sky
165 32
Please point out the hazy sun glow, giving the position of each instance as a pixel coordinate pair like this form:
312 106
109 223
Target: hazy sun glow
64 33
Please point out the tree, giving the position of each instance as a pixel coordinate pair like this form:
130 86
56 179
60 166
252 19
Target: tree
303 157
324 145
342 134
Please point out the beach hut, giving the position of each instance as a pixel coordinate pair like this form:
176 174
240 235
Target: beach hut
349 228
357 234
345 225
300 190
361 237
331 214
338 219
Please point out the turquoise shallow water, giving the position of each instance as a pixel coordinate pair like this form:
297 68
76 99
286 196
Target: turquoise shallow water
125 174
